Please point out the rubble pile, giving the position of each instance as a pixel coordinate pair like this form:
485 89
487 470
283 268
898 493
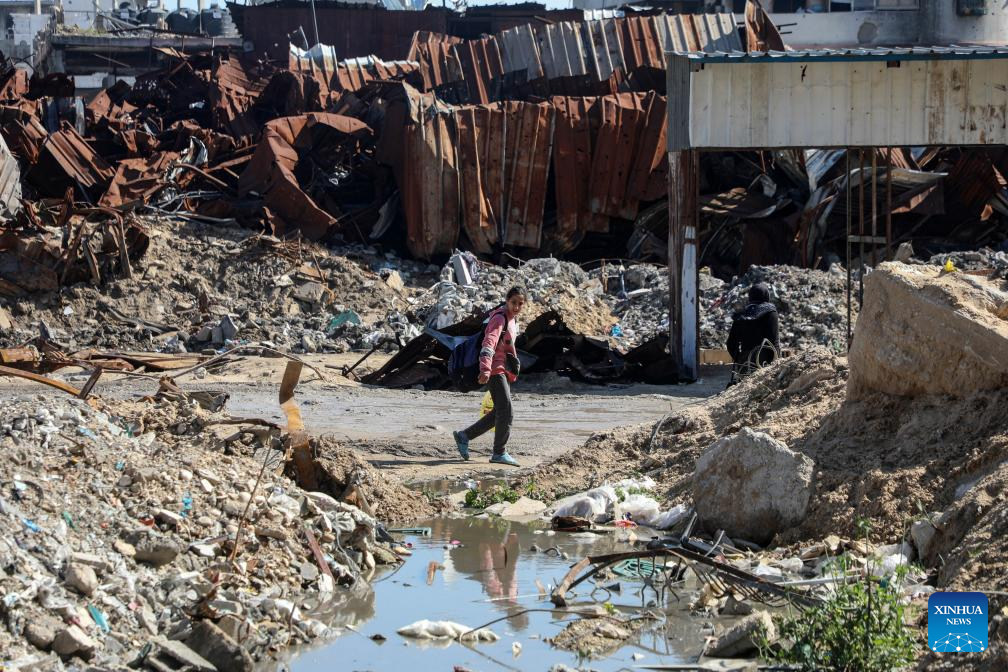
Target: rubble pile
550 284
136 525
812 304
203 286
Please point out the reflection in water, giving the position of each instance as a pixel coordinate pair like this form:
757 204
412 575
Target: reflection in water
489 573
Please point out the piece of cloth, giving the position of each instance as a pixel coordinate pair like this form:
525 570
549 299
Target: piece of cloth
500 418
750 327
498 343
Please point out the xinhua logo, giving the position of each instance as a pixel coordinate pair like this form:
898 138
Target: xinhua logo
957 622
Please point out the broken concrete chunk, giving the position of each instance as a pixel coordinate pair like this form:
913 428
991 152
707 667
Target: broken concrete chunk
81 578
175 655
740 638
72 641
40 632
753 468
216 646
522 508
157 553
923 331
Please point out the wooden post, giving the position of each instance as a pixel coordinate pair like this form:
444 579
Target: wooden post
684 314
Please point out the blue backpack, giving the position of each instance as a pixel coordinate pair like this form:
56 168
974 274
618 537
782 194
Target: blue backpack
463 363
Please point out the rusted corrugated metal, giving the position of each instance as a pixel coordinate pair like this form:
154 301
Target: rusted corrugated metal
481 147
973 181
352 74
481 68
137 179
431 186
10 183
594 50
572 168
233 89
529 130
67 160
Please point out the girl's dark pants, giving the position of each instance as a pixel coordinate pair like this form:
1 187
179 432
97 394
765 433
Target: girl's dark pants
499 418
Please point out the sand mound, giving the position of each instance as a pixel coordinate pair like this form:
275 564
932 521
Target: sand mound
888 459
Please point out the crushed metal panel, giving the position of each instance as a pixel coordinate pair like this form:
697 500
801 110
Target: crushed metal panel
431 185
527 165
603 46
562 51
709 33
10 183
479 175
66 158
642 43
572 161
647 177
481 68
521 52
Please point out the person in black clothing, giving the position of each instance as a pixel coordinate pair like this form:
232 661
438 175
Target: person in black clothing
753 331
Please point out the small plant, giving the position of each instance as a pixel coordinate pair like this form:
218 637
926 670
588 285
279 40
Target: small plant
861 628
610 608
481 499
532 491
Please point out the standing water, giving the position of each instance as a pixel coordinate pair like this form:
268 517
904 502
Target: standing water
486 569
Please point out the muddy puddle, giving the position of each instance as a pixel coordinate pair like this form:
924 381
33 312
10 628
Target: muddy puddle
486 569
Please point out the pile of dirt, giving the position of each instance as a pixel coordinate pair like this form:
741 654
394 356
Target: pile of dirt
884 458
193 276
385 497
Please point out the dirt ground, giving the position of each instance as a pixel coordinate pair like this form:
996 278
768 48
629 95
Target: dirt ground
408 432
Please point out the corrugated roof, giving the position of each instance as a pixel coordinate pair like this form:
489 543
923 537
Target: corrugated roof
951 53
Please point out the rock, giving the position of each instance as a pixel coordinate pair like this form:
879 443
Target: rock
124 548
522 508
216 646
174 655
168 518
904 253
72 641
395 281
309 572
923 534
156 553
228 329
309 292
753 468
81 578
740 638
40 632
91 560
923 331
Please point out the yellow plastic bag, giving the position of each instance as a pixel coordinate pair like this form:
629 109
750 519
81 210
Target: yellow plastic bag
487 404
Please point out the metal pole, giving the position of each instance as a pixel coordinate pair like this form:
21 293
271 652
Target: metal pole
888 204
315 21
861 226
847 241
874 203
